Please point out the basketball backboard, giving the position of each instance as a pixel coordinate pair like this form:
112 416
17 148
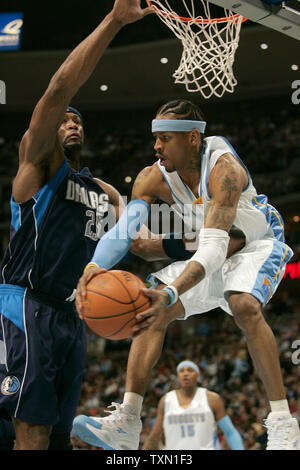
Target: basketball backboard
283 17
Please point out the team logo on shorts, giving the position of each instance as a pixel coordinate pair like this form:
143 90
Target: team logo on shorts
10 385
267 288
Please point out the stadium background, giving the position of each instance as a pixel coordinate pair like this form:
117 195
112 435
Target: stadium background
259 119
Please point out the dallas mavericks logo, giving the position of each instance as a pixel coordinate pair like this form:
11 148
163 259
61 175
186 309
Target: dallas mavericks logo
10 385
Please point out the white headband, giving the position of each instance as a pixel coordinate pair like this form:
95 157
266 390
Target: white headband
177 125
188 364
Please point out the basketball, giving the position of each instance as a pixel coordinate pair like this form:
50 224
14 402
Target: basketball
112 302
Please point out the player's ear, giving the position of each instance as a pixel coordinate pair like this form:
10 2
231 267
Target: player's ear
195 137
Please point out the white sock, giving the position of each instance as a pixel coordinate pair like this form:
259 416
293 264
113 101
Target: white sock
134 402
280 406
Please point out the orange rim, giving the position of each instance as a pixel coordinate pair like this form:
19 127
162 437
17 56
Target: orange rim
198 20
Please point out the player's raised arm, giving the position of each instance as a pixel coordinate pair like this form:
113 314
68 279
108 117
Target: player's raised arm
39 142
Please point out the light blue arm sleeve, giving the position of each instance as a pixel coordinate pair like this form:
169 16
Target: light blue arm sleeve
232 435
114 245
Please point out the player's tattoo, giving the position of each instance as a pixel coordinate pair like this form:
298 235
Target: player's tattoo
219 216
139 182
194 165
227 186
193 273
141 177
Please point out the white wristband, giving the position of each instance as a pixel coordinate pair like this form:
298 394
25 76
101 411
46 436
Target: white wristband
174 297
212 249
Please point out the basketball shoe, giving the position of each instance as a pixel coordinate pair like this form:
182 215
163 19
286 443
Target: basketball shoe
119 431
283 432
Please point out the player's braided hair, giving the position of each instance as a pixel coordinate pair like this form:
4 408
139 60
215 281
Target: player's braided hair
183 109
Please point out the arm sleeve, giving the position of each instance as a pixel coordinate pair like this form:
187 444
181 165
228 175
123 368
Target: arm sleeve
115 244
232 435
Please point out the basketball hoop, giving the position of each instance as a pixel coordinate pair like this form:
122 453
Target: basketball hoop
209 46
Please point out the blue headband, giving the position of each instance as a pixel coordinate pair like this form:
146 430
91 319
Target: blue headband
188 364
177 125
70 109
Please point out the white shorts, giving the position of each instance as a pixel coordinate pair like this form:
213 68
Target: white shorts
256 269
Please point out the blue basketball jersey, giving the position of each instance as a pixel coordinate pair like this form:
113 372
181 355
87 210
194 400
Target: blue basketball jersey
54 234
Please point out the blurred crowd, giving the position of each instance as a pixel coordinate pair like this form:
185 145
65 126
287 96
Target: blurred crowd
268 141
269 144
216 344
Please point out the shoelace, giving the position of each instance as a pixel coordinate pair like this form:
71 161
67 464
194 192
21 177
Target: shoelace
114 413
277 434
118 415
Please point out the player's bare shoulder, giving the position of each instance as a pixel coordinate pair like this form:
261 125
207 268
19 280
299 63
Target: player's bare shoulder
150 185
216 403
229 167
113 194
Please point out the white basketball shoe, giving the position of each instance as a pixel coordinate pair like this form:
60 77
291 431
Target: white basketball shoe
283 432
119 431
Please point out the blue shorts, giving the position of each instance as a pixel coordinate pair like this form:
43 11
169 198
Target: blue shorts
42 358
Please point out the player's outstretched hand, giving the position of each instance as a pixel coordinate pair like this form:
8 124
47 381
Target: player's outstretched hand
159 301
88 274
129 11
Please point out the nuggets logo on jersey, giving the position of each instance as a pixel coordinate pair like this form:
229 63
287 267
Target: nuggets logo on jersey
193 427
187 418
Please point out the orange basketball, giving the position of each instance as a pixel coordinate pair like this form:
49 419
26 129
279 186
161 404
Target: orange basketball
112 302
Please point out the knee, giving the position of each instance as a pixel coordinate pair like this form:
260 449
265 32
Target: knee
246 311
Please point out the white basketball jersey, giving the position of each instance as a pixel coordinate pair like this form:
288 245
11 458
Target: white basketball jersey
191 428
255 217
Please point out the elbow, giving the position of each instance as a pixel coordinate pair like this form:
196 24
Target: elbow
60 85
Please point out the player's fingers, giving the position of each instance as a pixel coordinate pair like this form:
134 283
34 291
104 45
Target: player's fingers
81 285
78 305
140 327
146 314
151 293
147 292
88 276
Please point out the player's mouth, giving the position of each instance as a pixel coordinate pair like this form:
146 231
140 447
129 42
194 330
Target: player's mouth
73 136
161 159
186 380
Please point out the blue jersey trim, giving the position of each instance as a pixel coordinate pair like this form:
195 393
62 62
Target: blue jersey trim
41 198
239 159
273 217
174 195
11 304
15 214
269 274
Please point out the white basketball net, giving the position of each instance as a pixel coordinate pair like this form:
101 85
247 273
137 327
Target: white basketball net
209 47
